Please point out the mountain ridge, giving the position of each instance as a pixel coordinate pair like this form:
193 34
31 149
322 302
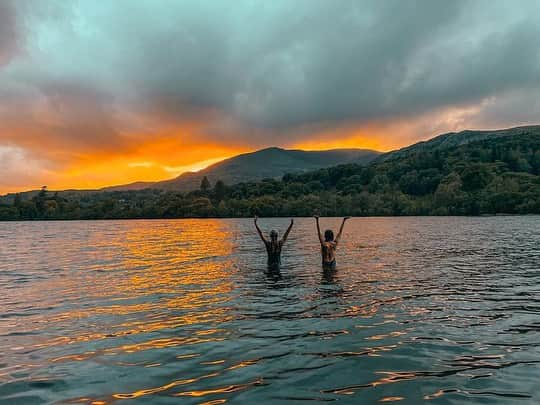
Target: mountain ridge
271 162
442 141
454 139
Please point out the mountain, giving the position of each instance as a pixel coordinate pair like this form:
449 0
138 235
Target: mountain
275 162
254 166
490 174
455 139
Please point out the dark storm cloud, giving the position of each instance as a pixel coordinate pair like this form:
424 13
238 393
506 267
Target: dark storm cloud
8 32
297 64
284 64
264 67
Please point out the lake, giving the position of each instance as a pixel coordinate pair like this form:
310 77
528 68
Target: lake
419 310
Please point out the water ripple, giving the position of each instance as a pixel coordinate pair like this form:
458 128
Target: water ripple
419 310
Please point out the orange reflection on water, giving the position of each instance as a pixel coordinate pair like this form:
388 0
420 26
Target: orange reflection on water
134 348
155 278
194 393
242 364
390 377
165 387
435 395
221 390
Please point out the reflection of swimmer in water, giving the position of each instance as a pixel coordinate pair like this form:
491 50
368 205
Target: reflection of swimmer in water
329 244
273 246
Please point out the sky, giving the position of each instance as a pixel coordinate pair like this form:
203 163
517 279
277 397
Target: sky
97 93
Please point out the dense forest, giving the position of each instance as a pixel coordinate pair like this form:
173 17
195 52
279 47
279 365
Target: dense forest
491 176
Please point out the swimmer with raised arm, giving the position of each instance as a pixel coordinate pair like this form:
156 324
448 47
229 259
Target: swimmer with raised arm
329 244
273 246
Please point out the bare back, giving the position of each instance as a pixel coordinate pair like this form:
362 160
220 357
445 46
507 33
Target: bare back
329 244
328 251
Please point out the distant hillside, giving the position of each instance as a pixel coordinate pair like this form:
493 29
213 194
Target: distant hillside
454 139
490 175
254 166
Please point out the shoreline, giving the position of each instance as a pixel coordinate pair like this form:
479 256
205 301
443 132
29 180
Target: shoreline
266 217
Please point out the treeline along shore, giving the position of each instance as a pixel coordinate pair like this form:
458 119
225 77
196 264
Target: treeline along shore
499 175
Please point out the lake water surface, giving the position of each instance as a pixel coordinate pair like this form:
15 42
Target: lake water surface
420 310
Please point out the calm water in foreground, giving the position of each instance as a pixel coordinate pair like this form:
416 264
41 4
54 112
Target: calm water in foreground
420 310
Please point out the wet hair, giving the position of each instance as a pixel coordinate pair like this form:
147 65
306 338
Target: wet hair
329 235
273 234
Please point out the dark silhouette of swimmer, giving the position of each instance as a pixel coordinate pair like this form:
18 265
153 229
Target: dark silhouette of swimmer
273 246
329 244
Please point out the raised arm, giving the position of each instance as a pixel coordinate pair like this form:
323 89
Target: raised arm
318 229
259 229
286 235
338 237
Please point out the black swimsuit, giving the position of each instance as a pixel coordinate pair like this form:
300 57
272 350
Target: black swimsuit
329 265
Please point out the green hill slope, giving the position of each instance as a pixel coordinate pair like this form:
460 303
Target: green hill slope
455 139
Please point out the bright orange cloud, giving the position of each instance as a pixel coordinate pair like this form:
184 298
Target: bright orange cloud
122 150
92 172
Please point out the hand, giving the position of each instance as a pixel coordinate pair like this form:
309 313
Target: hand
316 217
292 221
255 218
346 218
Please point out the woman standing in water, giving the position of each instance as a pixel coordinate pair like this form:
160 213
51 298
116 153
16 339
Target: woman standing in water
329 244
273 246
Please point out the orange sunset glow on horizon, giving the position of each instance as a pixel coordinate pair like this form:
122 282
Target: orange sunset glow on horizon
163 157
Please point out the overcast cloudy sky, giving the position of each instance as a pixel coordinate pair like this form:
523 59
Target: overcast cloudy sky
94 93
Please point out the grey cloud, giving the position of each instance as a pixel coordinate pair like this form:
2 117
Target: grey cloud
512 109
272 67
8 32
60 119
300 63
